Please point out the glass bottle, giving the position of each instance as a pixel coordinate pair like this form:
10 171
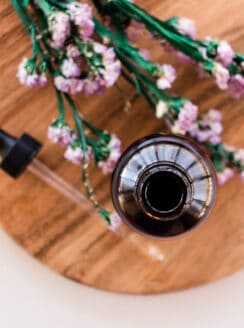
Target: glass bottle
164 186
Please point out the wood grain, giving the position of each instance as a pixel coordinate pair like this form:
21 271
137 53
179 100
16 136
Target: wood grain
73 241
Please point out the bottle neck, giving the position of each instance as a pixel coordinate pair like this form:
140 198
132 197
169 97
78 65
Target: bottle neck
163 191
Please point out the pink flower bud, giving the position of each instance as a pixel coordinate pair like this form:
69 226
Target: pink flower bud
109 164
115 222
225 53
74 154
237 86
61 133
186 27
167 77
69 68
221 75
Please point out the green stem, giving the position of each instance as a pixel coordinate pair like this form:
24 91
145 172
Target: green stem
92 128
21 13
82 138
154 25
78 123
61 106
46 7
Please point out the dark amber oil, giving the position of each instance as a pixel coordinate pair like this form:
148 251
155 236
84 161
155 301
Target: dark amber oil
164 186
164 193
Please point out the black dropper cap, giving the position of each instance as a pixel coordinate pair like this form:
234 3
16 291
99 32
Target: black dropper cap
17 153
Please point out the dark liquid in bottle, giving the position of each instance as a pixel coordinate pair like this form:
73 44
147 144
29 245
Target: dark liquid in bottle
164 193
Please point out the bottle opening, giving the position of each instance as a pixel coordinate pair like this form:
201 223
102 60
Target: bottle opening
164 193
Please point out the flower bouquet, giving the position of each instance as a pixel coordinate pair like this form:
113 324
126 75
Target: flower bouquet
85 48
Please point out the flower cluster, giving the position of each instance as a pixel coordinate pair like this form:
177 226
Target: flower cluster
167 76
30 75
60 28
75 154
81 16
228 67
61 133
104 69
105 154
185 26
218 59
208 127
186 118
114 151
81 63
226 159
84 55
178 34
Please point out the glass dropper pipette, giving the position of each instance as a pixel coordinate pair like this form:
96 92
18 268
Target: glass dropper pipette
19 154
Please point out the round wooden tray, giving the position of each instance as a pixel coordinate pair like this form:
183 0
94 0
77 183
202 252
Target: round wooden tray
74 241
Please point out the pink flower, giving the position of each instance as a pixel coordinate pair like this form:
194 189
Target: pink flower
99 48
186 27
108 165
215 139
59 26
208 128
115 222
86 29
237 86
239 155
114 143
221 75
90 86
145 53
72 51
62 84
187 116
28 75
81 15
111 73
214 115
216 127
79 12
60 133
71 85
134 30
69 68
167 78
225 53
42 80
75 86
74 154
224 176
111 66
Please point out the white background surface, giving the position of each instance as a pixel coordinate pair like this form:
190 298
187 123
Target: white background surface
32 296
